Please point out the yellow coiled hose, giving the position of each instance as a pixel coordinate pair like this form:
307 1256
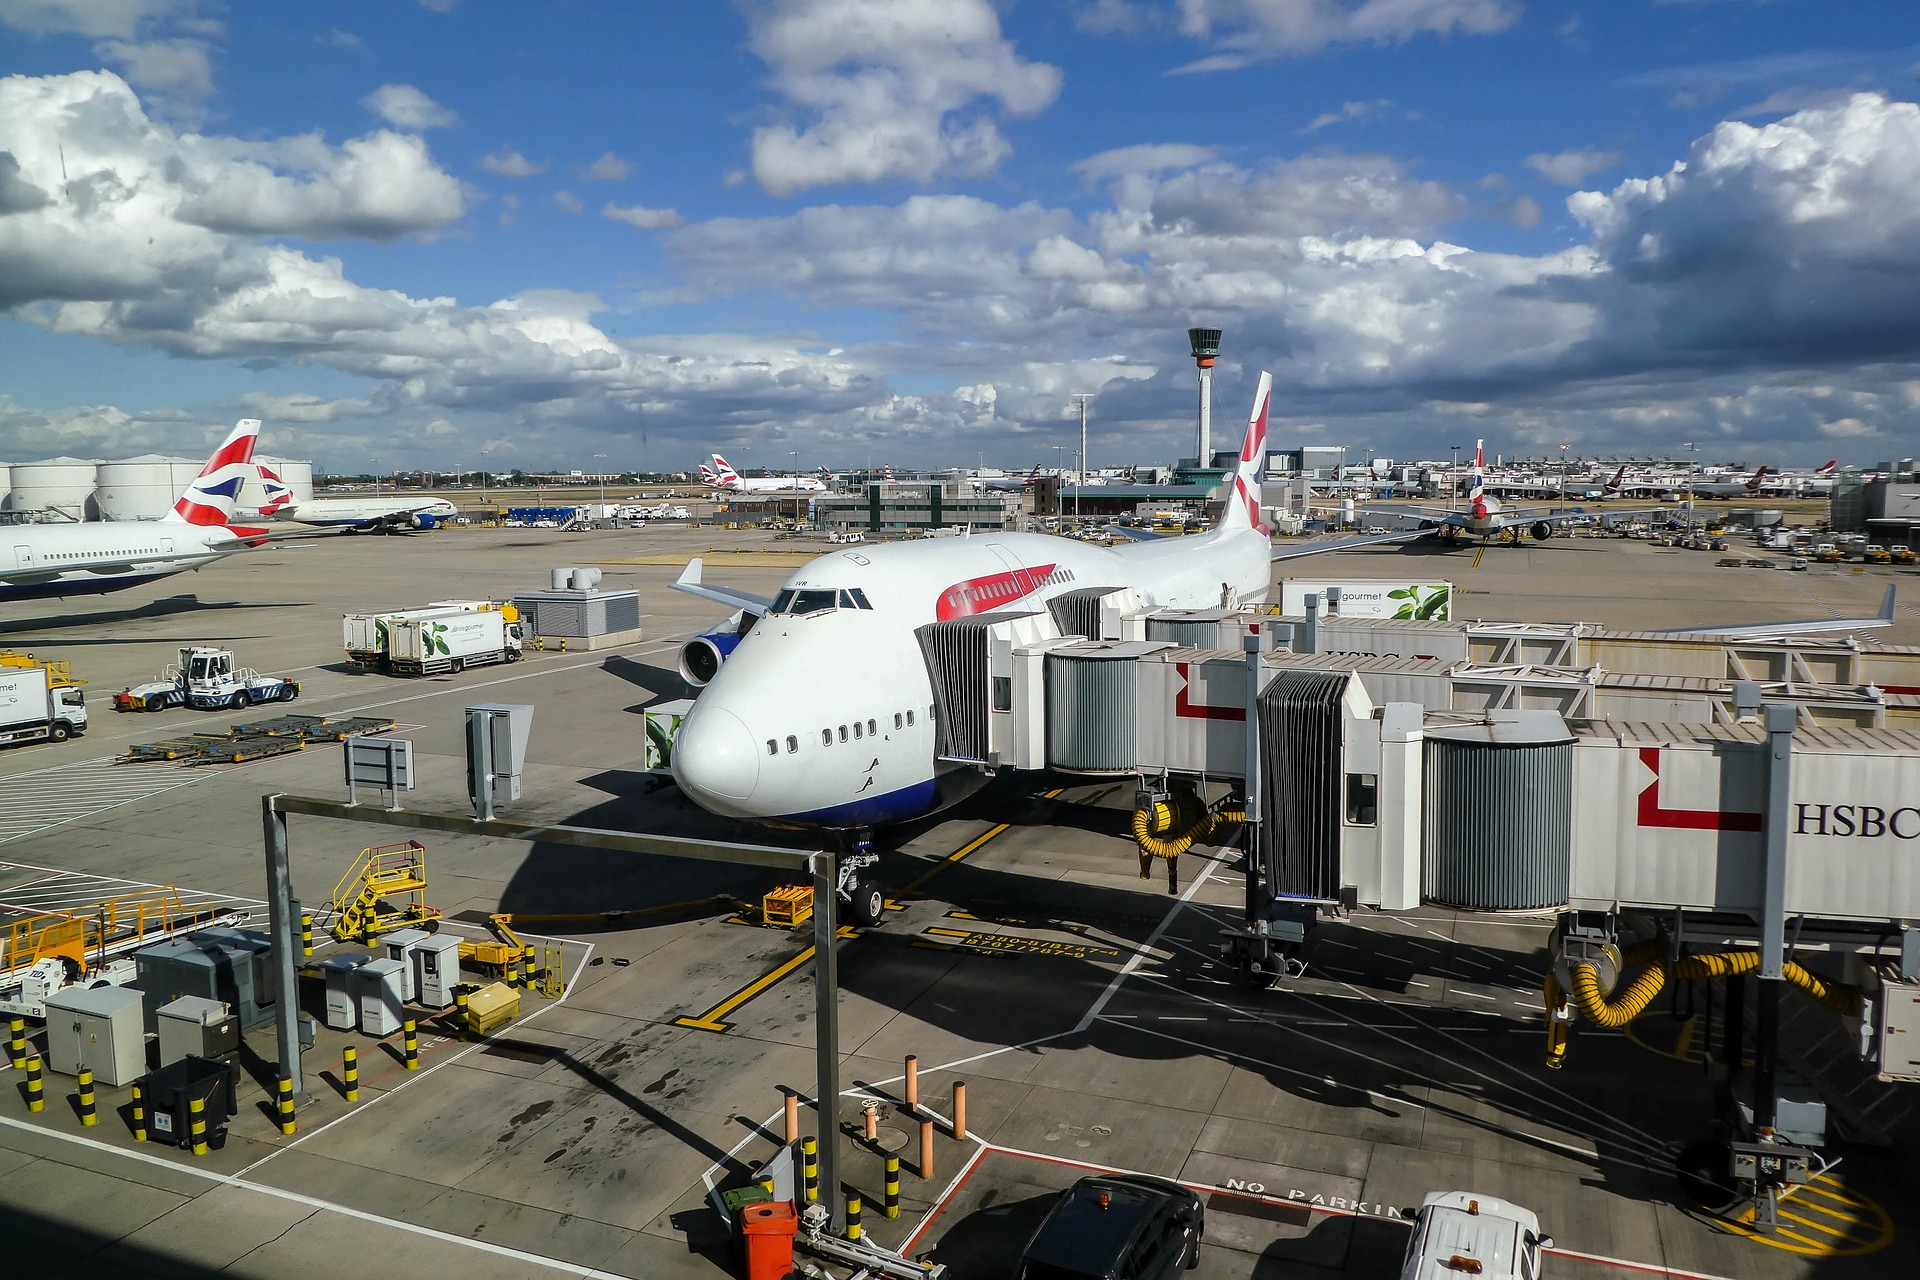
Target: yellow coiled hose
1634 997
1168 828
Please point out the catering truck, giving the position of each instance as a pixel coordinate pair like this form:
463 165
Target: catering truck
39 701
453 641
365 635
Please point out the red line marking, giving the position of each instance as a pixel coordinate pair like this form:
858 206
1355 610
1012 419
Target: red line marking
1652 815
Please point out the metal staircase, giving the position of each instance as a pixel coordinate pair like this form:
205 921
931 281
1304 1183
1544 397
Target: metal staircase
382 891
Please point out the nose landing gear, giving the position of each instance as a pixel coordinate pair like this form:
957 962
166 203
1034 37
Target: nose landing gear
866 900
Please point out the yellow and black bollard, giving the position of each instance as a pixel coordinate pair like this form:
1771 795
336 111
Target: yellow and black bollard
853 1214
410 1044
36 1090
350 1074
460 1012
563 644
89 1112
893 1186
17 1043
286 1106
139 1115
809 1167
197 1129
528 975
306 935
512 976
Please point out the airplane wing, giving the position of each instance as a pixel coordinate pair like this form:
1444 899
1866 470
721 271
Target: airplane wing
1347 544
1761 630
689 582
1138 535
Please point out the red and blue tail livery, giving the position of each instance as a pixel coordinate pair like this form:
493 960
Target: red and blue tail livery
209 500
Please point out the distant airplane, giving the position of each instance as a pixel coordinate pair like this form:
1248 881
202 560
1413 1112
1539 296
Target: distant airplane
1728 488
354 515
722 476
1005 484
1483 517
38 561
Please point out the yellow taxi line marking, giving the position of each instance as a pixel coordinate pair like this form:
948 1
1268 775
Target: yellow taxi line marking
711 1019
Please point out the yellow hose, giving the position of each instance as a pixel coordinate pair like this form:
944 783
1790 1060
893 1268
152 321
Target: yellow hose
1639 993
1153 828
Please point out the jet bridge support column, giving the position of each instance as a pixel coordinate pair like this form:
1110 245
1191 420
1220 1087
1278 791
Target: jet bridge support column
1257 893
1780 721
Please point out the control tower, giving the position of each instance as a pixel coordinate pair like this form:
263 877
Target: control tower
1206 348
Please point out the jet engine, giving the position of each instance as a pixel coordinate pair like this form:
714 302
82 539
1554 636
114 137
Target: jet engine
700 657
1541 531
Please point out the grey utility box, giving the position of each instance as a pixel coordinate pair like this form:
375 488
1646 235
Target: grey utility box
209 967
400 945
97 1029
436 970
377 983
343 995
196 1027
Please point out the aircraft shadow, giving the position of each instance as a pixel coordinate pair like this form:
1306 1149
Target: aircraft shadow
163 608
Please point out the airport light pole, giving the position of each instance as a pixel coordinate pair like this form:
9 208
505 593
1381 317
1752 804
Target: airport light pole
601 472
1453 477
1693 461
1084 398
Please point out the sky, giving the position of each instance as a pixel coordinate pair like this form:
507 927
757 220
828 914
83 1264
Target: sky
601 234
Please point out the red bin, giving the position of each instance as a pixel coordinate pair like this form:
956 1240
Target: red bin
768 1229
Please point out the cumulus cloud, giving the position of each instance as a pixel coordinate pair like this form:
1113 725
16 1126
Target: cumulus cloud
1570 168
335 38
608 168
509 163
96 18
405 107
1248 31
887 89
568 201
176 75
641 216
17 195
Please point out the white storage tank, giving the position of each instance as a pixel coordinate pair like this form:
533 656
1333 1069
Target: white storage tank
61 488
140 488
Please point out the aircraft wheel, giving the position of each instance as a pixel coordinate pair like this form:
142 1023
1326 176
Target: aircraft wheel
242 700
869 903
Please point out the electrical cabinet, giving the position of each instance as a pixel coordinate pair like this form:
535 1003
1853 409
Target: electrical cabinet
97 1029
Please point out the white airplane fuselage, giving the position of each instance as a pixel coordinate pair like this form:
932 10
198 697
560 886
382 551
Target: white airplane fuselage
825 718
366 513
40 561
770 484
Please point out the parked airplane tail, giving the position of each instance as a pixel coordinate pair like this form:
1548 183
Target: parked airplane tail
1613 485
1827 467
279 497
1243 502
723 470
209 499
1753 485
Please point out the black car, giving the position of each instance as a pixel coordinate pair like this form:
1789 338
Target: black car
1117 1227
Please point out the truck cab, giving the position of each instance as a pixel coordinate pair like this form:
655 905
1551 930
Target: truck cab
1465 1233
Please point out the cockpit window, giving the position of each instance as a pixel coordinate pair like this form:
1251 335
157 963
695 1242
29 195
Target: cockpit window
804 601
859 599
781 601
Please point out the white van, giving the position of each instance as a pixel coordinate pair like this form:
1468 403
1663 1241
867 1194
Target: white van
1464 1233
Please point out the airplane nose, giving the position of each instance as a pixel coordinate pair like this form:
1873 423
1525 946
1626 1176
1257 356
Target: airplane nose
715 759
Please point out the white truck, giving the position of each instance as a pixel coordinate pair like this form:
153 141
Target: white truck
364 635
452 642
1424 601
40 702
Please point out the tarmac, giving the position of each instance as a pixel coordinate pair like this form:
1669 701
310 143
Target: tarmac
1083 1008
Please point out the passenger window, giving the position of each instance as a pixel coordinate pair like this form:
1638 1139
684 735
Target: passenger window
793 744
772 750
909 717
843 733
856 730
896 719
826 737
1363 792
871 731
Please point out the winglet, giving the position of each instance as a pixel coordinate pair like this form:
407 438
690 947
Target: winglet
690 576
1887 605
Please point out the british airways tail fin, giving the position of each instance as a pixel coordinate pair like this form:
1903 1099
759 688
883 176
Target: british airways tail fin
1243 499
209 499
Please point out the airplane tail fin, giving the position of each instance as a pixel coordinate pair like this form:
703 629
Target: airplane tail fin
1827 467
1753 485
279 497
723 470
210 498
1243 500
1613 485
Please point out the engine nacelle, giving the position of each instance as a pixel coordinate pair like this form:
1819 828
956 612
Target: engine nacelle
421 520
1541 531
700 657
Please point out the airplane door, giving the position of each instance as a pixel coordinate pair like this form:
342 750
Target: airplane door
166 546
23 557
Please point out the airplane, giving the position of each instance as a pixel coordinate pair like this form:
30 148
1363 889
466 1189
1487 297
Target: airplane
42 561
722 476
1004 484
1747 488
1483 517
816 710
353 515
